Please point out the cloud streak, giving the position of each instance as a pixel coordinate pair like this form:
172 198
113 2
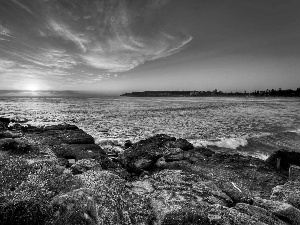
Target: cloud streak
83 40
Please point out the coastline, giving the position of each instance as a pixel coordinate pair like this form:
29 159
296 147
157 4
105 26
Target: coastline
159 180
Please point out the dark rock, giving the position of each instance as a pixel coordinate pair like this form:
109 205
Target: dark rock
211 188
60 127
16 146
144 154
205 151
57 137
179 165
172 154
287 158
195 156
176 156
105 162
77 151
127 144
2 126
4 122
179 143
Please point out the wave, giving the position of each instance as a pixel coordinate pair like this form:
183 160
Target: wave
259 145
297 131
232 143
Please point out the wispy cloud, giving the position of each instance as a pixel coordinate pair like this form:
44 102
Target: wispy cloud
4 33
6 64
23 6
65 32
123 55
84 42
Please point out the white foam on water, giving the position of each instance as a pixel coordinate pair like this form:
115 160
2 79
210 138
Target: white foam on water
259 155
297 131
232 143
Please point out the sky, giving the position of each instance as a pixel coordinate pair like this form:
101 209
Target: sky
117 46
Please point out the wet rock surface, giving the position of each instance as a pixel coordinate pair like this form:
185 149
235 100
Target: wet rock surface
286 158
160 180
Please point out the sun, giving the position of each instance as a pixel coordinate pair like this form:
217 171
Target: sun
32 87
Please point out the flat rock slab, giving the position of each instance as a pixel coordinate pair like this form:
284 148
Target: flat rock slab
77 151
57 137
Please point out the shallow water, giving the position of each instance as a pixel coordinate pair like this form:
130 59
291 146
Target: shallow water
256 126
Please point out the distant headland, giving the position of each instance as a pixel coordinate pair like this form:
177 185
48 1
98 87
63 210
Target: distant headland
216 93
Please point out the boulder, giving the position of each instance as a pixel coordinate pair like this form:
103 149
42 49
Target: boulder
283 159
284 211
289 192
144 154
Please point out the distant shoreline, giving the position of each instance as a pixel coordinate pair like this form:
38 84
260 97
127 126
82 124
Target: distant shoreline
215 93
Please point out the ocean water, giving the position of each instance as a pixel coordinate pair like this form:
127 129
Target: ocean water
255 126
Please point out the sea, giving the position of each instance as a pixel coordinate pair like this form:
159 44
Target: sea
250 126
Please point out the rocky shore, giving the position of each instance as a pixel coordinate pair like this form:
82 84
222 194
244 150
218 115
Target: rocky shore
58 175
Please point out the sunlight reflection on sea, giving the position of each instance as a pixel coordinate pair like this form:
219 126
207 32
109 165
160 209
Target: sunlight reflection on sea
251 125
